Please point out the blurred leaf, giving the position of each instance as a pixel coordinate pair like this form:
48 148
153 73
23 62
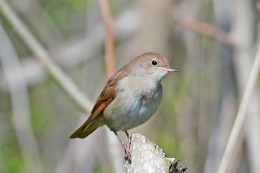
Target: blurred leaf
41 109
13 161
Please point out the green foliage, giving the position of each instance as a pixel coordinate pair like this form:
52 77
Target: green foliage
41 111
66 14
12 160
41 115
168 143
98 169
77 4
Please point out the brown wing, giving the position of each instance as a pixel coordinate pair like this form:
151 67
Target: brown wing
105 98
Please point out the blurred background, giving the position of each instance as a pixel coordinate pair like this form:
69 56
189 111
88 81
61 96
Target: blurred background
212 43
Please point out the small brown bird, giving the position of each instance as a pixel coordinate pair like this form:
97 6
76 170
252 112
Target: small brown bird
130 97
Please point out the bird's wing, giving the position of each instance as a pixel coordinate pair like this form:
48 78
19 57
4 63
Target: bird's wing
105 98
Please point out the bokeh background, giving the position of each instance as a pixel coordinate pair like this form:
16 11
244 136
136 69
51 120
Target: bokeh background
212 43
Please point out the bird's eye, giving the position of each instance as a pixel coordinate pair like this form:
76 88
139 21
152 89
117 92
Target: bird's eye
154 62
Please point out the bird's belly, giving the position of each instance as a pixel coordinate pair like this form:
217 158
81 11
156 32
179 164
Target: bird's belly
128 111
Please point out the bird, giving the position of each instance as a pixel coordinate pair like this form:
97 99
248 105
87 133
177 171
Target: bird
130 97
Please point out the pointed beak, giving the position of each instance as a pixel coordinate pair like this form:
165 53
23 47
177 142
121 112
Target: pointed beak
168 69
171 70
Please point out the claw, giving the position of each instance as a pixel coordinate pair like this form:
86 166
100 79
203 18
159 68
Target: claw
181 170
174 166
175 169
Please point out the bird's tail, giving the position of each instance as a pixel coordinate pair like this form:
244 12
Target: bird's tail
88 127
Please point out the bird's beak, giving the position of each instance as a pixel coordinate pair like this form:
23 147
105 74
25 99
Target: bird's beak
167 69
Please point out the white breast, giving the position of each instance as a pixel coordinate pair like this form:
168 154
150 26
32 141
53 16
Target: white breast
135 102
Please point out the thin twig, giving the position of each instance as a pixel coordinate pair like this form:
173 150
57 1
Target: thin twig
44 57
110 68
241 115
204 29
21 119
109 53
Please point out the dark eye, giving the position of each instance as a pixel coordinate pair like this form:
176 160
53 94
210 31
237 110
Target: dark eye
154 62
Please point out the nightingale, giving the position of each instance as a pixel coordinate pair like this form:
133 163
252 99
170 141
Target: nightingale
130 97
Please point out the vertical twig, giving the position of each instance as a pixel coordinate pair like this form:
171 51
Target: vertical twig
110 68
109 45
21 108
244 23
241 115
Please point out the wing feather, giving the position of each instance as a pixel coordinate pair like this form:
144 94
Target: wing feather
106 97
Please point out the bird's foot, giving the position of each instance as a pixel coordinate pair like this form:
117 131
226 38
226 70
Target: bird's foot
175 169
127 152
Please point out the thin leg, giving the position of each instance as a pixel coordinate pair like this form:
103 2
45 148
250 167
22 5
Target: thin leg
127 135
118 138
125 146
129 140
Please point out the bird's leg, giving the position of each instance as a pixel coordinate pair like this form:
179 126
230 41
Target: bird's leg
129 140
125 146
128 143
127 135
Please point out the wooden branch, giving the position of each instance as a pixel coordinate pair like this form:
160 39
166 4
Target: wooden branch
44 57
204 29
109 52
241 115
146 156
